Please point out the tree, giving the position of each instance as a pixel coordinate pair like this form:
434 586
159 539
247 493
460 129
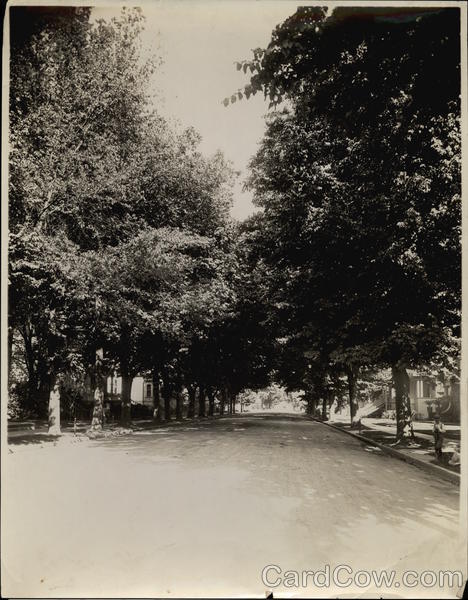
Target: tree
365 199
39 285
175 285
67 171
137 214
69 175
314 292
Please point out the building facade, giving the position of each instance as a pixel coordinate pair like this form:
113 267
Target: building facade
430 395
141 392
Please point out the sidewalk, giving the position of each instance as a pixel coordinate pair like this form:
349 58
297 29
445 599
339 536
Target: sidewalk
420 455
422 429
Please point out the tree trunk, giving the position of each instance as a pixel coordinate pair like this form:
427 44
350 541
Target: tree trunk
201 401
234 404
42 395
352 373
126 407
54 407
98 408
179 405
311 403
29 360
222 404
402 402
211 401
31 398
191 405
38 375
157 406
324 408
167 394
90 383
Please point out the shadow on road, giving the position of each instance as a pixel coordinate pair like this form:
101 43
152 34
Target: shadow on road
283 479
32 438
321 471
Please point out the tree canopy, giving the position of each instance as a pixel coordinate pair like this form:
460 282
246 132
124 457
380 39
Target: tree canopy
119 226
122 254
359 179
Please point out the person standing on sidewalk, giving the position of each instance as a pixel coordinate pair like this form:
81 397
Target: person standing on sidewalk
439 433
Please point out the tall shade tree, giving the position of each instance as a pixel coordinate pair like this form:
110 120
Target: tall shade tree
365 199
77 108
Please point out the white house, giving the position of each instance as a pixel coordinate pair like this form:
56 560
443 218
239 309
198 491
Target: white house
141 392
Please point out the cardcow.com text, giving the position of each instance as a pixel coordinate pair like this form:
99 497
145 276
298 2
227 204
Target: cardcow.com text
343 576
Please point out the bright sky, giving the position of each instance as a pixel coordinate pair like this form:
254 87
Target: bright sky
200 41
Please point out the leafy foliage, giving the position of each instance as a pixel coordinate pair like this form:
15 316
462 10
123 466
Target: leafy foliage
359 179
117 222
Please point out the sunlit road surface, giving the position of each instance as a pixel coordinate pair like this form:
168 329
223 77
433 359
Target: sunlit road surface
200 509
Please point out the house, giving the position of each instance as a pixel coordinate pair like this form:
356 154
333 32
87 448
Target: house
430 395
141 392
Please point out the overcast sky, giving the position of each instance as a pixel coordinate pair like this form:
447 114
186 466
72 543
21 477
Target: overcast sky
200 41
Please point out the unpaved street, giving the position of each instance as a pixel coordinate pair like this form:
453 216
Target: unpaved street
200 509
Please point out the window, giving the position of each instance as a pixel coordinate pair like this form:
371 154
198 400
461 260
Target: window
148 390
423 389
419 391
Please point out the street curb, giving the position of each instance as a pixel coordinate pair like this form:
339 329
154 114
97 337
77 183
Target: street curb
433 469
